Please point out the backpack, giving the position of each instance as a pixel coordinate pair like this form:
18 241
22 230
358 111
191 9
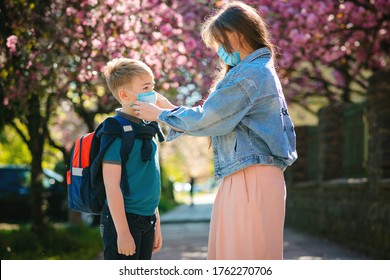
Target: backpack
86 191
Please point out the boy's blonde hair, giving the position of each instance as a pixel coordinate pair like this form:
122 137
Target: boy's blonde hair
121 71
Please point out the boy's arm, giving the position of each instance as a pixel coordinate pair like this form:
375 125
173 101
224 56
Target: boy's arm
112 178
157 234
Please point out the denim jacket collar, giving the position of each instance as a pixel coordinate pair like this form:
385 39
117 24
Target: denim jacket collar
257 53
262 52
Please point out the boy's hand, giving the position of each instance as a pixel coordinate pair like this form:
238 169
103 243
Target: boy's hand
163 102
146 111
126 245
157 238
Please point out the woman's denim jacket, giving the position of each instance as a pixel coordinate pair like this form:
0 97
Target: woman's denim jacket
246 116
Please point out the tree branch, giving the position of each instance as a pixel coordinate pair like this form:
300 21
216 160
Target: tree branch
55 145
20 132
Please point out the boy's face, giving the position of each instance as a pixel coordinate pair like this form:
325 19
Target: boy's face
139 84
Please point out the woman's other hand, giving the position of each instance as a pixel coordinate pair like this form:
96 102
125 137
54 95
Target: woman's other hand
163 102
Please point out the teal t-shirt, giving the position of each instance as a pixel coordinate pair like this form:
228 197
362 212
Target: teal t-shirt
143 177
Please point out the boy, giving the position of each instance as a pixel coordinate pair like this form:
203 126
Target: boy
130 226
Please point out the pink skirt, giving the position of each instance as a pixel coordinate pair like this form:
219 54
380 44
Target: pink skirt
248 215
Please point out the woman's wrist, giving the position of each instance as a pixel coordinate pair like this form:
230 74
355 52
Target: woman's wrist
158 113
167 106
171 106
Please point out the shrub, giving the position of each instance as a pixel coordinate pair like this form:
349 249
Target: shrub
59 243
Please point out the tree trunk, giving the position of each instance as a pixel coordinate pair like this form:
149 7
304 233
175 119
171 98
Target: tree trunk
36 143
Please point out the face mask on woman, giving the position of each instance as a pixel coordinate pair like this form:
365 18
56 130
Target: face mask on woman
231 59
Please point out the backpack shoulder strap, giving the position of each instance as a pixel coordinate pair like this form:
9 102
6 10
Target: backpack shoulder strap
118 127
105 135
127 134
109 126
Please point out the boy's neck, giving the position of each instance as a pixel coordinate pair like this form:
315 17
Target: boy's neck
129 111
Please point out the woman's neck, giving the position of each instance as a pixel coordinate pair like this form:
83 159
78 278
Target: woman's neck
244 52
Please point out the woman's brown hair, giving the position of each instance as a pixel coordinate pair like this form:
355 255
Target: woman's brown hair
242 19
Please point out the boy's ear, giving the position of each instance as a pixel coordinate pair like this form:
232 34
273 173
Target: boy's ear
122 94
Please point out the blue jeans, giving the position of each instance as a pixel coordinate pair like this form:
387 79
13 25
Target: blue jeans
142 229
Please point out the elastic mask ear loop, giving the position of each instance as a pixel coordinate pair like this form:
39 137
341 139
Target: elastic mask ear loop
131 104
238 43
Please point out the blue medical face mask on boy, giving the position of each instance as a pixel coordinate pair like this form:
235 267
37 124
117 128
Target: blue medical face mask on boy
231 59
148 97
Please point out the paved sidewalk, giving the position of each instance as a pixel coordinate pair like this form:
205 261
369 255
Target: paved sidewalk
185 234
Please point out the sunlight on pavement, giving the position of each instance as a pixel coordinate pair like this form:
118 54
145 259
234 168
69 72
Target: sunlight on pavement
199 198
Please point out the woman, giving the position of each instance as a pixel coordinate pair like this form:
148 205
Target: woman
252 134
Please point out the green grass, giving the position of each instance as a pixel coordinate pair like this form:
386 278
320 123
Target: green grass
59 243
166 205
62 242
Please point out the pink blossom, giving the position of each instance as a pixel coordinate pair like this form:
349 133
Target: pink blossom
110 2
190 44
157 35
11 43
96 43
311 20
165 86
181 60
166 29
79 29
340 80
286 60
70 11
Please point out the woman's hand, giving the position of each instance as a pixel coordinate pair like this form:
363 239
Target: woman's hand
163 102
146 111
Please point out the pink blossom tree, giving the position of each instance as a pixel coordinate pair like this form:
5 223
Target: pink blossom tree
52 55
165 37
328 48
28 83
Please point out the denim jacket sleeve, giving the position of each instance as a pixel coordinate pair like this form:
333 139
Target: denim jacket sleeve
219 115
